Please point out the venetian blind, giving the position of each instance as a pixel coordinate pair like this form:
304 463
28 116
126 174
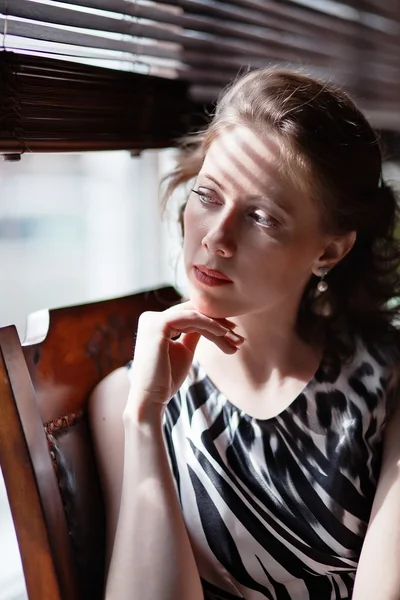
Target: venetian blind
171 57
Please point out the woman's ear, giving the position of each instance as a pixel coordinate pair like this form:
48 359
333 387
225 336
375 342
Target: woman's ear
335 251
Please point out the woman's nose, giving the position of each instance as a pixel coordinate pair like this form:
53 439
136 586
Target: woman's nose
221 237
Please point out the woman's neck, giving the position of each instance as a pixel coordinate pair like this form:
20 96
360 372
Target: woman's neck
272 350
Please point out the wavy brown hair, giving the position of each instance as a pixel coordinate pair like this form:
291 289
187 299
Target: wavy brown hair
334 154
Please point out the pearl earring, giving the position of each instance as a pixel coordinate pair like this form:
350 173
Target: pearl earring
322 285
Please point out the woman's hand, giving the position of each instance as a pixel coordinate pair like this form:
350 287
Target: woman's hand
161 363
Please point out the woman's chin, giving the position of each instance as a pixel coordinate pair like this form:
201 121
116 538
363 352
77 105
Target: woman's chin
211 308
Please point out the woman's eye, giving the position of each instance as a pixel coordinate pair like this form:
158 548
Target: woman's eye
264 219
205 198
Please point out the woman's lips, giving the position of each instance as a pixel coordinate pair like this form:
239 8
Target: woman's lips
210 276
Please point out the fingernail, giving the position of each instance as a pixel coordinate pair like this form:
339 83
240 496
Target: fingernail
234 337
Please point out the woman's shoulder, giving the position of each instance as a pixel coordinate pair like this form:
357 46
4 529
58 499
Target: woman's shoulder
372 371
380 359
108 400
387 359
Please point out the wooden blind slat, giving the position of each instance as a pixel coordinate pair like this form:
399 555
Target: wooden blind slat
216 26
201 44
53 105
250 41
186 39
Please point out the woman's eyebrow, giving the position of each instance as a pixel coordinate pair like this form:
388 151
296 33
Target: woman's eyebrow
214 181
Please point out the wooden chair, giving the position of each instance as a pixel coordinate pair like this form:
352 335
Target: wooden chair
45 445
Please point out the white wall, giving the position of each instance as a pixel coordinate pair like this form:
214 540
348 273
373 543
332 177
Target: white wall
76 228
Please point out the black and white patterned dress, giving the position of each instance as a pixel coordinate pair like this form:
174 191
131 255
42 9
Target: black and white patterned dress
278 508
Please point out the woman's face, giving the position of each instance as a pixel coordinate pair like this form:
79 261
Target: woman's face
248 220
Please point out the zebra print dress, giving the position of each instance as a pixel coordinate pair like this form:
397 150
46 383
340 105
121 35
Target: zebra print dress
278 508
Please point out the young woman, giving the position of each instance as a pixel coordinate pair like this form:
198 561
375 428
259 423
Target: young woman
256 455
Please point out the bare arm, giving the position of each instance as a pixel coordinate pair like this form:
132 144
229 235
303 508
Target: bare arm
106 407
378 573
151 556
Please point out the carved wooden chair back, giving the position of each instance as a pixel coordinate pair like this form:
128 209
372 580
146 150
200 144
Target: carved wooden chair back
46 452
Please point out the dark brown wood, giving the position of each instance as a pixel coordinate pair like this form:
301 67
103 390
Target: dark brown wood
49 105
45 383
30 481
81 345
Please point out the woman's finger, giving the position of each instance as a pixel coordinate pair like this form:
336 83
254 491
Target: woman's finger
180 322
190 341
206 330
226 343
